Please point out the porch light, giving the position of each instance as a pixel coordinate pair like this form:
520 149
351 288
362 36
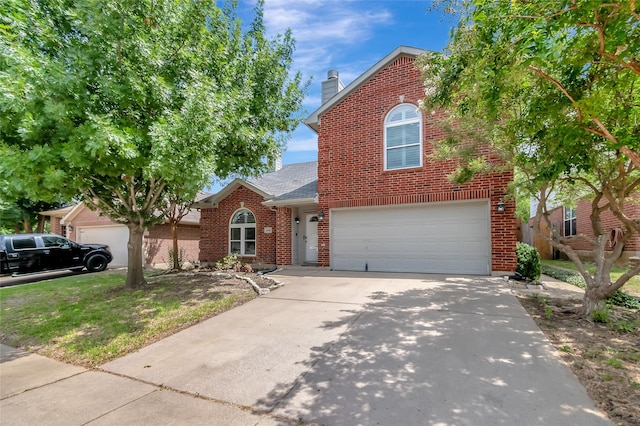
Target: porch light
297 220
500 206
321 215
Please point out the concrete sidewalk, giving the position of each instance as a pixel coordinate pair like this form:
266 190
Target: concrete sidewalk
329 347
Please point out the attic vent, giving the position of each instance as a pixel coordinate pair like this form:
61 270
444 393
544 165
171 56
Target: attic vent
403 60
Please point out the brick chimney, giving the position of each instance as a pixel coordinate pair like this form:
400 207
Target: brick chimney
331 86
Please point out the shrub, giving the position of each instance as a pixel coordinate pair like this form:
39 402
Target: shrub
233 263
229 262
528 261
570 277
619 298
181 257
600 315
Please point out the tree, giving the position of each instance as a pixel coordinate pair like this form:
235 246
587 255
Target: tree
177 209
552 86
124 103
20 216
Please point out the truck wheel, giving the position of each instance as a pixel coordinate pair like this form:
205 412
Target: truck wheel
97 263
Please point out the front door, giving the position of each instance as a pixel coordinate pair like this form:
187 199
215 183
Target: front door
311 238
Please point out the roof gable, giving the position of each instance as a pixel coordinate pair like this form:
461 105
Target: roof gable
212 200
292 182
60 213
313 120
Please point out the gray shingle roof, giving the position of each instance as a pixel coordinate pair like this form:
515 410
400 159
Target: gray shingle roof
292 181
295 183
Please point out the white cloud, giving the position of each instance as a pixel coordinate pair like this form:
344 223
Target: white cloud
312 102
305 144
322 27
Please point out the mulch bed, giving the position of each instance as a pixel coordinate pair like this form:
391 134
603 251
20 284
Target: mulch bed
604 356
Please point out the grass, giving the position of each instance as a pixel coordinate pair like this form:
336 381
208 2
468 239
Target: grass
632 286
89 319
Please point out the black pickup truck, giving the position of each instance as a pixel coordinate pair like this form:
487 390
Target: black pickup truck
30 253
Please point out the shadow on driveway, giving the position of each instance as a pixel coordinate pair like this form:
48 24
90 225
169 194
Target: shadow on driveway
461 351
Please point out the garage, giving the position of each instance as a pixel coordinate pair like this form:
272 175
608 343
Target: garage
428 238
115 236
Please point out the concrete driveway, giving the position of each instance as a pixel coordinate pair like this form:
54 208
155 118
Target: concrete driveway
332 348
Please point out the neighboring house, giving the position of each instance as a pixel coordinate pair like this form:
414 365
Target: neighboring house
568 221
83 225
375 200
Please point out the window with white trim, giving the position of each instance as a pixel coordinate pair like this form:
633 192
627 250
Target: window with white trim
570 221
403 138
242 233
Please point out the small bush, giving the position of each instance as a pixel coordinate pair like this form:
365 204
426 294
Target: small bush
528 261
548 312
570 277
614 362
620 298
181 257
233 263
626 326
600 315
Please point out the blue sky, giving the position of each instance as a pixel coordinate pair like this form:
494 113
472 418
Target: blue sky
347 36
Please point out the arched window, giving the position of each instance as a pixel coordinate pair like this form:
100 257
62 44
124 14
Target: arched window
403 138
242 233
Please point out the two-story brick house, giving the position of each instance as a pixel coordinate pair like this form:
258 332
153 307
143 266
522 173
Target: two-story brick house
378 201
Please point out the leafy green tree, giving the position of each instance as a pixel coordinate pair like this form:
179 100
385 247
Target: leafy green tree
21 215
552 86
127 102
11 218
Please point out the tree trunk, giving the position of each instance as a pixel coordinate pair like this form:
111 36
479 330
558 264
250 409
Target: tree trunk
593 300
40 226
135 271
176 253
26 224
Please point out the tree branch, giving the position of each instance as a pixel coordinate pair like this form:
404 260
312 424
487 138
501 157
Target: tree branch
604 132
632 7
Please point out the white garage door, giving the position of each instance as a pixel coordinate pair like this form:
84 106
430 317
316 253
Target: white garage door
435 238
115 236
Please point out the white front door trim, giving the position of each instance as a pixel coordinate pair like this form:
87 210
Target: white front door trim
311 237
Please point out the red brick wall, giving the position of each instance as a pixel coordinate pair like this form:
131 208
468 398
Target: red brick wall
214 227
55 226
159 241
351 162
283 236
583 224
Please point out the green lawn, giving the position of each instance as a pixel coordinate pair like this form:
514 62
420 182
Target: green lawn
89 319
632 286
